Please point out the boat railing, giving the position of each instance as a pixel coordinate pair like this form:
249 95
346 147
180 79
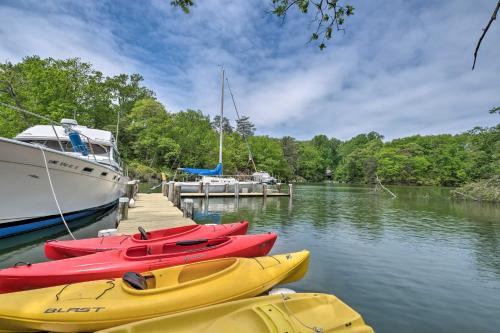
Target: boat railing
53 124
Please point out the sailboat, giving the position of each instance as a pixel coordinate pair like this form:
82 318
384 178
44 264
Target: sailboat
213 177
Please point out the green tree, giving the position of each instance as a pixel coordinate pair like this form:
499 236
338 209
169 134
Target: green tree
245 127
290 151
148 126
226 124
328 15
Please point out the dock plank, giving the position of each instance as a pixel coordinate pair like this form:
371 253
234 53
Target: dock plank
152 211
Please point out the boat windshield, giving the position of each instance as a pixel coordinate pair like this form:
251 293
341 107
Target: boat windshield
68 147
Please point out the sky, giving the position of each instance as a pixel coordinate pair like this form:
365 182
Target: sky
400 68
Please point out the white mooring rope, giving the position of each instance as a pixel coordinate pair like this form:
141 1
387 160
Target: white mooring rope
315 329
54 193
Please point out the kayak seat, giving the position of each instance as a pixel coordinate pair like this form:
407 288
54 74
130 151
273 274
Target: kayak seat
135 280
144 234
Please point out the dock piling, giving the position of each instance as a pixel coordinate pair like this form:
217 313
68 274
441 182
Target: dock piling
177 196
123 208
188 208
171 191
237 190
207 190
130 189
264 191
290 190
164 188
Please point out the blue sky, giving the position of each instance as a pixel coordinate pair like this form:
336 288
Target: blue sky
401 68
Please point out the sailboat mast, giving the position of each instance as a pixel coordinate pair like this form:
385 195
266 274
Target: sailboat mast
221 117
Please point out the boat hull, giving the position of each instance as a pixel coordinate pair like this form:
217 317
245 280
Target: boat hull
95 305
265 314
81 186
56 249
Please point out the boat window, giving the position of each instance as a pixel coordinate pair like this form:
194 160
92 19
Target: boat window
98 149
116 156
104 174
68 147
86 169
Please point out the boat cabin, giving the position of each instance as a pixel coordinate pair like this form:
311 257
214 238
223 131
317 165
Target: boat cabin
100 144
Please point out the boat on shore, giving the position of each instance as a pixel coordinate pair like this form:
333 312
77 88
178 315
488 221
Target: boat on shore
51 170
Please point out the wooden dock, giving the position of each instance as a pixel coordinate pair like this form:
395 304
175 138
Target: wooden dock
152 211
163 210
230 194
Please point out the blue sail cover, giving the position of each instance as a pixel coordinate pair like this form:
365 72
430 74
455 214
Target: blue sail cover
204 172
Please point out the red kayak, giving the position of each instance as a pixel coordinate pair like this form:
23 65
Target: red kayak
115 263
55 249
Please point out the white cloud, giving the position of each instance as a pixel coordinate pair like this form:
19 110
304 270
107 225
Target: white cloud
401 68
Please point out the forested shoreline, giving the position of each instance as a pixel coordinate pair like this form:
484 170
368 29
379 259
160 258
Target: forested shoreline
153 139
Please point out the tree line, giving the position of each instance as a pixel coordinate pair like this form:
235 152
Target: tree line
153 139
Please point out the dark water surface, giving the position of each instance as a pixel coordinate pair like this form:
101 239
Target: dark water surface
418 263
29 247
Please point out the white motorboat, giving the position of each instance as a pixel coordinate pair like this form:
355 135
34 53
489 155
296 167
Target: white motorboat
82 164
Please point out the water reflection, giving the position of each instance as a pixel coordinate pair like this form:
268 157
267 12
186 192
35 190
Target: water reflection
418 263
29 247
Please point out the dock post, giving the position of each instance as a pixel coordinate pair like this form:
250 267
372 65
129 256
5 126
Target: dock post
123 208
207 190
278 186
200 187
136 189
252 187
130 189
237 190
188 208
290 190
177 196
164 188
171 191
264 190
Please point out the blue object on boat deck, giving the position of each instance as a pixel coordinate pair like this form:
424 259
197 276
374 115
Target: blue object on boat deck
204 172
77 143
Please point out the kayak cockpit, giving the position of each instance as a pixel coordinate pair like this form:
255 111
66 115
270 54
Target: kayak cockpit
165 233
174 249
164 279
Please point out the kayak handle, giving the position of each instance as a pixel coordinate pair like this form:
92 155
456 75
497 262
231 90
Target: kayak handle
20 263
191 242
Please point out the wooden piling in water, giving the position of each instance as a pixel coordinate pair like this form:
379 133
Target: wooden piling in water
237 190
177 196
188 208
264 191
207 191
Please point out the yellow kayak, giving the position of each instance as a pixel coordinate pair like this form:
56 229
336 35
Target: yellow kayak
95 305
292 313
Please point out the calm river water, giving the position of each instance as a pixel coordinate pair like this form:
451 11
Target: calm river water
418 263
